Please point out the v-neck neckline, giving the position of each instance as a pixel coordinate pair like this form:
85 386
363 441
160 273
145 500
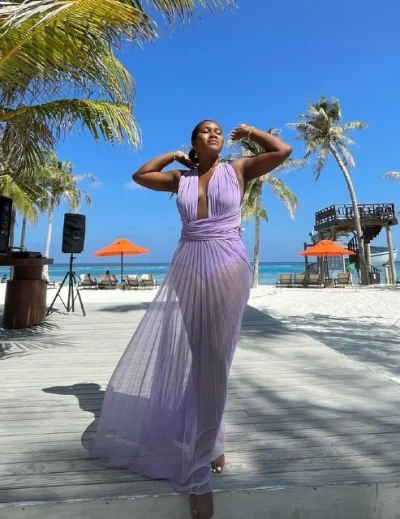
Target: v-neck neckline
207 191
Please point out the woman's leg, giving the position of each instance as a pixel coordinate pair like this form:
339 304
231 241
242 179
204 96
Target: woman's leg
213 327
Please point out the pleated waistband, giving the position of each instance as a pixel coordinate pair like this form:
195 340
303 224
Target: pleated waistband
190 235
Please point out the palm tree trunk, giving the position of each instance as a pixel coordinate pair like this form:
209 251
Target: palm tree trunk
48 240
23 233
254 283
12 228
12 236
364 271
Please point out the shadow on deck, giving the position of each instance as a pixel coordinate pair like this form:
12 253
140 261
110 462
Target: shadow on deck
302 419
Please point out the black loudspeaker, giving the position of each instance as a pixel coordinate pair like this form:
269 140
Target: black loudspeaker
73 233
5 224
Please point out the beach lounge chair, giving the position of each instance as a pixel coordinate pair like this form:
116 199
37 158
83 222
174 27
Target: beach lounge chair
314 280
398 281
343 279
147 281
299 280
132 281
285 280
106 282
86 281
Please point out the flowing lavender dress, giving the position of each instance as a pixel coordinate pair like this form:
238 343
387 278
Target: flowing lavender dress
162 414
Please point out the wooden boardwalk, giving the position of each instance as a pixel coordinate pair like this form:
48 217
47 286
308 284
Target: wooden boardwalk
301 418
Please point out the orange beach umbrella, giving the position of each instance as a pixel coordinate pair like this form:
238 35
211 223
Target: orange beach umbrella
326 248
121 247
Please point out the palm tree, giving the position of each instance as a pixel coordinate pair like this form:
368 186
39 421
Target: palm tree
252 204
40 204
50 47
23 193
58 180
323 134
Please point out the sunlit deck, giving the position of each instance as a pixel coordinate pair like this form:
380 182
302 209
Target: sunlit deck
310 432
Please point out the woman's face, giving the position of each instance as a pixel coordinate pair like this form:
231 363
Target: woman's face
209 138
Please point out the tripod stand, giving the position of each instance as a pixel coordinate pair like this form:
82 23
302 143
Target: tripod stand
70 276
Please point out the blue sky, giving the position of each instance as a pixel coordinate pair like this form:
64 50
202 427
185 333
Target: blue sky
258 65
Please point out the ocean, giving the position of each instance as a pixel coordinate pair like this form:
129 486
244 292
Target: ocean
269 272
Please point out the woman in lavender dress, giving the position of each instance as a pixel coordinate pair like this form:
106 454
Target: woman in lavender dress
163 409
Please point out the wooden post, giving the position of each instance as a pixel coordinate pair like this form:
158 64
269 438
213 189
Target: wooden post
392 266
368 254
320 261
386 269
305 260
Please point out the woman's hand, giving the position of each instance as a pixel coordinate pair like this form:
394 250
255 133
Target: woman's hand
183 159
241 132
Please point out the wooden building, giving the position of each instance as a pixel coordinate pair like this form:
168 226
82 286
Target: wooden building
336 220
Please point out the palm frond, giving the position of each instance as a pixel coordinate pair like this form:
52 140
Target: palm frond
51 41
252 213
290 165
231 157
347 141
252 191
345 154
284 193
84 176
392 175
322 157
22 196
305 130
183 8
23 140
101 118
245 148
354 125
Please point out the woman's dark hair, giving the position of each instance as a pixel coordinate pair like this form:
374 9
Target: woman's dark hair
192 153
193 156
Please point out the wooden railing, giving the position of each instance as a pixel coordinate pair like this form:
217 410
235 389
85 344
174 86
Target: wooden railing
334 213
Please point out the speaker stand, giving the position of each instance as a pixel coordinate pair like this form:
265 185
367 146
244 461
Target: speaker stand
72 288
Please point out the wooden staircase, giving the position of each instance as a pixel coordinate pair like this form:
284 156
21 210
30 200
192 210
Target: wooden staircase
369 234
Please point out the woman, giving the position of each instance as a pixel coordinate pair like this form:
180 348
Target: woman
163 409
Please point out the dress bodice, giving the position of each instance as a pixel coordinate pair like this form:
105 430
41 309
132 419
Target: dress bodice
223 201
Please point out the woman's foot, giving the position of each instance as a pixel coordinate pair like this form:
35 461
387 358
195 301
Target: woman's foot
202 506
217 466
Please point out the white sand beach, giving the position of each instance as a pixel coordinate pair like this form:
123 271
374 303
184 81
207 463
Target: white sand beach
361 323
375 306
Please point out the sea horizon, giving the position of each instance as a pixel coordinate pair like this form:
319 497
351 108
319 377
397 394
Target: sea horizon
269 271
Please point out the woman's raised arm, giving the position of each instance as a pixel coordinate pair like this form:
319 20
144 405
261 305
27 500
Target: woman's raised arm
150 175
275 152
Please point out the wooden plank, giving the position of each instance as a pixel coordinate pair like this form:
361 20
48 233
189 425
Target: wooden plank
253 407
41 446
79 419
221 483
71 428
82 462
94 477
